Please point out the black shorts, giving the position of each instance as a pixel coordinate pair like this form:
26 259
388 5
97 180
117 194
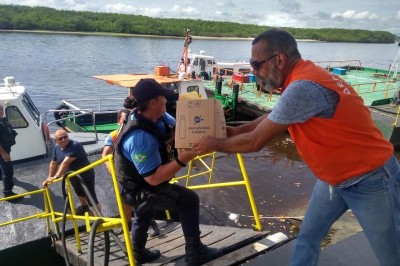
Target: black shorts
89 183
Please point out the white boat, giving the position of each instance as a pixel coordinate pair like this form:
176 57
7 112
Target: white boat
34 138
25 118
205 66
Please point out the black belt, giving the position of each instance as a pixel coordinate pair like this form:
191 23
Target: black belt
129 185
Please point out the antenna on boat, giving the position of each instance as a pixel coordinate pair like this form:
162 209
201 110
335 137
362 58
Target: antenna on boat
183 63
394 66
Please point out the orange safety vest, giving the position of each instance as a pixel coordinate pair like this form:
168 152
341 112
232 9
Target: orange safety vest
342 147
114 135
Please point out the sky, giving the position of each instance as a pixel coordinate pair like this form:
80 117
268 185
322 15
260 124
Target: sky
347 14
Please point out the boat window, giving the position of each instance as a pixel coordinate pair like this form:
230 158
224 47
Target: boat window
172 86
15 118
210 62
31 108
193 88
244 70
196 62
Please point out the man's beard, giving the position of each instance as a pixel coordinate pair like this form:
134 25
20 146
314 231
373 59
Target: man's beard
272 83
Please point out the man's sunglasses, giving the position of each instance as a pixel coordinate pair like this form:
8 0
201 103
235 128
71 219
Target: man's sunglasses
62 138
256 65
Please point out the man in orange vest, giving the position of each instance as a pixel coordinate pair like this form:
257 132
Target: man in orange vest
335 135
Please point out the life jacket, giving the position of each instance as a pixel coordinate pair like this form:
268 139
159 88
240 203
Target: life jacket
127 173
7 133
114 135
342 147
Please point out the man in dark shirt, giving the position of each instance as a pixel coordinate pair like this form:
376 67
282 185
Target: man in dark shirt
7 139
71 156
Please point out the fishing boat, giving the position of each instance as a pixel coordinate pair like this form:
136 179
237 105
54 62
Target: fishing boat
100 115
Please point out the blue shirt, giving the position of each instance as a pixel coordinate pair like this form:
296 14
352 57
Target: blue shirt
143 148
74 150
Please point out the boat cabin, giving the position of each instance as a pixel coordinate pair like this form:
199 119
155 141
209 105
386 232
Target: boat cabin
205 66
200 65
25 119
231 68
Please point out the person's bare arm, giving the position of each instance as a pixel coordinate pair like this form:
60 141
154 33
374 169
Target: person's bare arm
166 171
106 151
64 165
250 141
54 173
245 128
4 154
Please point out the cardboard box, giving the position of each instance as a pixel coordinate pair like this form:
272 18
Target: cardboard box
197 118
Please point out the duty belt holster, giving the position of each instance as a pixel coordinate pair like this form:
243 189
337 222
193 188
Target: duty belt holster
129 185
158 198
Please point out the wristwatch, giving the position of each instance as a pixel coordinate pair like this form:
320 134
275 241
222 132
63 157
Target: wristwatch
182 164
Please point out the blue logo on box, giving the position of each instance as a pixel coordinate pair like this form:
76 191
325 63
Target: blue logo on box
197 119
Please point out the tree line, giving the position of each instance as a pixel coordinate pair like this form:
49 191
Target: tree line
15 17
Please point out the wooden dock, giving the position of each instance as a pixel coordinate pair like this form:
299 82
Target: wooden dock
239 245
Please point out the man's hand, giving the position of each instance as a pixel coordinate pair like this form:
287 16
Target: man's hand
6 157
205 145
49 180
186 155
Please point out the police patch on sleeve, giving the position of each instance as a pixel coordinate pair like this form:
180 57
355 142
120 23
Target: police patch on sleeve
139 157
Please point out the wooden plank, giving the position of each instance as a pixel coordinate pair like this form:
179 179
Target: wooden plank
249 251
170 242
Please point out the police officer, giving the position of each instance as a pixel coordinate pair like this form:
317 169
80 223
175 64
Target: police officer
144 168
7 139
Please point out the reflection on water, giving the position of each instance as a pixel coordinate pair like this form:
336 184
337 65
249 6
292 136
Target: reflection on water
281 184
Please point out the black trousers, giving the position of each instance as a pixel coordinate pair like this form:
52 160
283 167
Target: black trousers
7 173
187 205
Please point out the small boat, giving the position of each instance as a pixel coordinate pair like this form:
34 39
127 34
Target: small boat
100 115
33 140
206 67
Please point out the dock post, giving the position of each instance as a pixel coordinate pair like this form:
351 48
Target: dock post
218 85
235 100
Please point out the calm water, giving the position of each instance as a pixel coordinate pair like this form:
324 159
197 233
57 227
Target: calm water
55 67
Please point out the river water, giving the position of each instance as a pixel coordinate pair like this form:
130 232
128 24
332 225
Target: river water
55 66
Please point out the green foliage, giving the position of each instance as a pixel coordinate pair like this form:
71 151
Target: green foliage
13 17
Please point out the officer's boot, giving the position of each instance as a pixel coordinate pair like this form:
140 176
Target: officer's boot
144 255
197 253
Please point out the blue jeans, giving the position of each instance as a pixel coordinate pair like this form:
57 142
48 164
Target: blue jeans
375 202
7 173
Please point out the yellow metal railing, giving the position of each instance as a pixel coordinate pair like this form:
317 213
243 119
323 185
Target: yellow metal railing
199 163
209 171
397 117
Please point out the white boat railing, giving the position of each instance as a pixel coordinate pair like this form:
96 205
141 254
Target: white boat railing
74 115
96 104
